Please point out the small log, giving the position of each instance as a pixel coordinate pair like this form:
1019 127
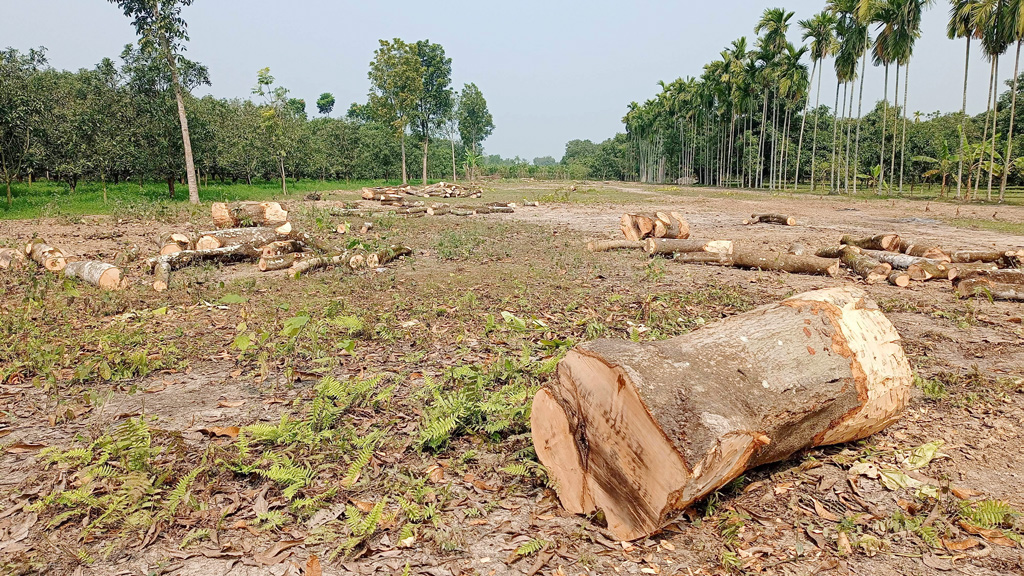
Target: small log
954 271
348 258
11 258
279 247
642 430
106 276
462 212
248 214
986 288
175 242
254 237
387 255
926 270
237 253
923 251
127 256
835 251
783 219
367 226
606 245
671 225
887 242
871 270
500 209
279 261
45 255
899 261
673 246
796 249
530 203
899 278
629 228
997 276
777 261
1005 258
161 276
342 228
438 209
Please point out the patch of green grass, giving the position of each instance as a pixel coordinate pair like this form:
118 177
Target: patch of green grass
151 200
457 244
1016 228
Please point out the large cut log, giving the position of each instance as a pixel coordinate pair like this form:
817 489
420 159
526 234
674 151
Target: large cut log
606 245
45 255
887 242
254 237
387 255
923 251
278 262
783 219
1005 258
671 225
175 242
14 258
161 276
781 262
671 246
641 431
835 251
987 288
900 261
999 276
245 214
638 226
629 228
106 276
162 266
927 270
871 270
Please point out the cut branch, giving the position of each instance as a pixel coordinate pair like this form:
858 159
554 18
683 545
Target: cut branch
871 270
106 276
606 245
11 258
887 242
668 246
778 261
783 219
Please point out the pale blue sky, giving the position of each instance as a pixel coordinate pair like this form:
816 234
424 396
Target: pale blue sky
551 71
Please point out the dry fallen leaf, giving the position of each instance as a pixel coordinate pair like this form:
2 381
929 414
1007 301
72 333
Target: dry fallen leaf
23 448
843 542
230 403
362 505
229 431
823 512
993 536
960 545
313 567
276 553
936 563
436 474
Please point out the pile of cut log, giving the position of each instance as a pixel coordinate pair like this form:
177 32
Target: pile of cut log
101 274
259 236
636 227
439 190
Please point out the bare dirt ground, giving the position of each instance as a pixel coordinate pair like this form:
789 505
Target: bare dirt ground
109 401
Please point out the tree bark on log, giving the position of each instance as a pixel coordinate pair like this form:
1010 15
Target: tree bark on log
438 209
387 255
886 242
796 249
254 237
163 265
998 276
101 274
606 245
778 261
247 214
871 270
783 219
986 288
835 251
672 246
703 258
1005 258
900 261
954 271
899 278
279 262
45 255
930 252
280 247
671 225
11 258
641 431
926 270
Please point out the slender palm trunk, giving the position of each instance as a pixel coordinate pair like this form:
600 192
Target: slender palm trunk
405 175
885 118
840 165
903 138
455 176
775 138
186 140
895 129
284 181
814 139
786 152
984 134
1009 135
995 116
860 102
849 139
803 123
762 142
835 132
963 121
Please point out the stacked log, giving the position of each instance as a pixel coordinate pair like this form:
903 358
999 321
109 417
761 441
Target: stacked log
885 242
641 431
995 284
871 270
659 225
175 242
253 237
446 190
246 214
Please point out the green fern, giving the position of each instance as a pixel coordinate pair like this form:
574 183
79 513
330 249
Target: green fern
193 536
181 491
988 513
531 547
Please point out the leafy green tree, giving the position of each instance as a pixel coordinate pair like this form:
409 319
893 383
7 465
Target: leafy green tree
396 84
161 28
325 103
475 121
296 107
435 101
21 109
544 161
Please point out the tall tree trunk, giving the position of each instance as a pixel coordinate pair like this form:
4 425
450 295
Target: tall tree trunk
284 181
835 128
963 121
814 145
10 199
763 139
841 168
995 117
170 186
885 119
455 176
775 134
860 103
405 174
984 134
190 166
1009 136
848 172
903 138
426 141
895 129
803 123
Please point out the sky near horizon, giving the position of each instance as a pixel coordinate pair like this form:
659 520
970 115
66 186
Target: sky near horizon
551 71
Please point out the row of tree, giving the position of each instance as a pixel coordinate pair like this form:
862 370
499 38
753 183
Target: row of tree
137 119
748 120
